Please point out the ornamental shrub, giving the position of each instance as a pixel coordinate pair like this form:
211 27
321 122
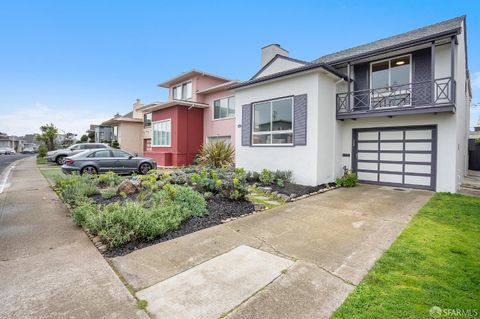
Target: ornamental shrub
76 189
109 179
217 154
278 177
349 179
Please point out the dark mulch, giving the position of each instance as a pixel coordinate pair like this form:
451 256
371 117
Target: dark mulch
297 189
115 199
219 209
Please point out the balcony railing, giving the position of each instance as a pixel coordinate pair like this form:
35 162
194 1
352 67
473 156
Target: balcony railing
419 94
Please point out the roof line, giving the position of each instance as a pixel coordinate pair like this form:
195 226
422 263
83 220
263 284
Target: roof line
308 67
397 46
277 56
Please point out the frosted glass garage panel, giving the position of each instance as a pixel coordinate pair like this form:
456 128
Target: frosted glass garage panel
364 176
391 146
369 166
417 180
367 146
391 156
367 156
362 136
391 167
391 135
418 146
425 169
390 178
418 135
427 158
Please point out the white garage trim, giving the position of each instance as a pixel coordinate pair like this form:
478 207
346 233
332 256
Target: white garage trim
403 156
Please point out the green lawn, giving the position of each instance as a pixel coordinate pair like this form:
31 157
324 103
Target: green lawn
49 170
434 262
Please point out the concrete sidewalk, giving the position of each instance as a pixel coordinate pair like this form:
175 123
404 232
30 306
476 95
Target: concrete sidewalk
48 267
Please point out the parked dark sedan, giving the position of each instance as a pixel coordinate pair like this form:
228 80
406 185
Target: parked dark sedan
104 160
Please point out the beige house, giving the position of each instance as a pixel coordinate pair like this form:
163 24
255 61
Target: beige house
128 129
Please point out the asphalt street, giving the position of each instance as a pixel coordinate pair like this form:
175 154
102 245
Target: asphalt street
6 160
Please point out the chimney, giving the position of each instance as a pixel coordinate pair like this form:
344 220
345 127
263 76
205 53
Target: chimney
117 115
270 51
137 113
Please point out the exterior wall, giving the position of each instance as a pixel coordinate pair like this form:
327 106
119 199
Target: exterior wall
279 65
446 142
302 160
130 137
218 127
462 110
186 136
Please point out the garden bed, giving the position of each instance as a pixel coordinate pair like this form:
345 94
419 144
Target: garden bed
220 210
121 214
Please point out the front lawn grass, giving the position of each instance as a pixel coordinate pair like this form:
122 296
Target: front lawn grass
434 262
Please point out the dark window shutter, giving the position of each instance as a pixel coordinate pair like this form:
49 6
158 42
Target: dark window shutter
246 125
421 77
300 120
361 99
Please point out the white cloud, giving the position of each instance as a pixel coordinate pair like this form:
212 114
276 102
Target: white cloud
476 80
28 120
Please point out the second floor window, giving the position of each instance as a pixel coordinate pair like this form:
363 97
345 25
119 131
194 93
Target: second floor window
223 108
182 91
391 72
147 120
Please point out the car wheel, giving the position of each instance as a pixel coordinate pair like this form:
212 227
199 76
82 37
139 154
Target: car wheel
144 168
60 160
88 170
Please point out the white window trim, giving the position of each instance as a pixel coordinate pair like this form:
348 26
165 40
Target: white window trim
389 78
223 118
153 133
272 132
180 86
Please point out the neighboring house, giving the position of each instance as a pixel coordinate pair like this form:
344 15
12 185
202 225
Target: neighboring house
395 111
200 109
103 134
475 134
13 142
127 130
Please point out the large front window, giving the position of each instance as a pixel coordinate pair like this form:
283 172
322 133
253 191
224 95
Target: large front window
273 122
162 133
223 108
390 83
391 73
182 91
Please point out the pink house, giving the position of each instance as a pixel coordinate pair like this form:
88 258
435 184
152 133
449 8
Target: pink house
200 110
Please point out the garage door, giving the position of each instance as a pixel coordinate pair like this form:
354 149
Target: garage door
396 156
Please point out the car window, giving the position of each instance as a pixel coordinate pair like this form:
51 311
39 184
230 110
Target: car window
100 146
82 147
75 147
105 153
118 153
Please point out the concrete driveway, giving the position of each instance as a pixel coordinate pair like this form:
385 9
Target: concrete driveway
331 240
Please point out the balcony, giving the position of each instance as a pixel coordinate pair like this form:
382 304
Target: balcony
412 98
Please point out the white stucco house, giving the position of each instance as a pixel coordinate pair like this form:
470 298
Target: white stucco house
396 111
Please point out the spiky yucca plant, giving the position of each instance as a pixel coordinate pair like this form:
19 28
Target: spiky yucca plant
217 154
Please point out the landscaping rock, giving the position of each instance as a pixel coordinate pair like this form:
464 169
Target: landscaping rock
258 207
283 197
265 189
128 186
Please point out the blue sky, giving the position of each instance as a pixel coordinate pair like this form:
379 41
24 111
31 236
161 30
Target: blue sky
79 62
